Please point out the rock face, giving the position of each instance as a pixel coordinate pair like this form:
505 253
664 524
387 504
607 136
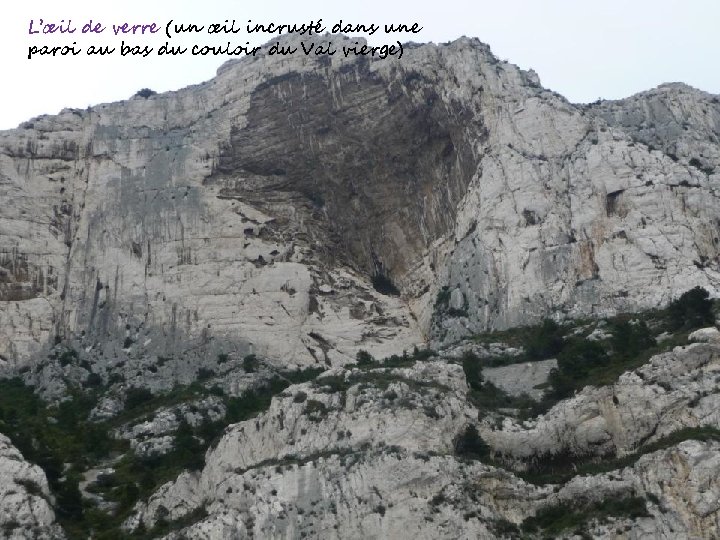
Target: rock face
684 483
348 460
250 213
384 497
570 212
674 118
518 379
25 509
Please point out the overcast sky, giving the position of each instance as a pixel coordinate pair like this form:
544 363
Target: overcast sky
584 50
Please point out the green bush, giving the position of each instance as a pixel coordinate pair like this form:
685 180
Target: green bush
692 310
250 363
544 341
69 500
67 357
96 440
579 356
205 374
553 520
315 410
93 381
582 361
145 93
136 397
630 339
364 359
562 385
470 445
303 375
397 361
473 370
188 454
443 298
491 397
505 529
115 378
422 354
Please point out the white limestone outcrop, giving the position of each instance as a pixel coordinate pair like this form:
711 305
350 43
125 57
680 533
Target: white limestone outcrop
25 500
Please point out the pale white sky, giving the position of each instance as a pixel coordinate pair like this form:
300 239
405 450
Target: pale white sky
583 49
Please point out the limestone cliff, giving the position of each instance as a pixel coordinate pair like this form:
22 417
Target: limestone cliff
379 463
250 211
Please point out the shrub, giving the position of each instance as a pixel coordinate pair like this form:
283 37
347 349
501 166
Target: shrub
299 397
162 360
364 358
106 480
115 378
31 486
469 444
126 494
205 374
505 529
579 356
553 520
73 411
93 381
253 401
397 361
423 354
67 357
562 385
332 384
96 440
188 452
315 410
145 93
630 339
303 375
250 363
473 371
692 310
490 396
69 500
544 341
135 397
216 390
443 298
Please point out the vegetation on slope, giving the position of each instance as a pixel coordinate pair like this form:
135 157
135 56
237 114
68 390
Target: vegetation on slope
560 468
61 439
65 444
557 519
633 340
